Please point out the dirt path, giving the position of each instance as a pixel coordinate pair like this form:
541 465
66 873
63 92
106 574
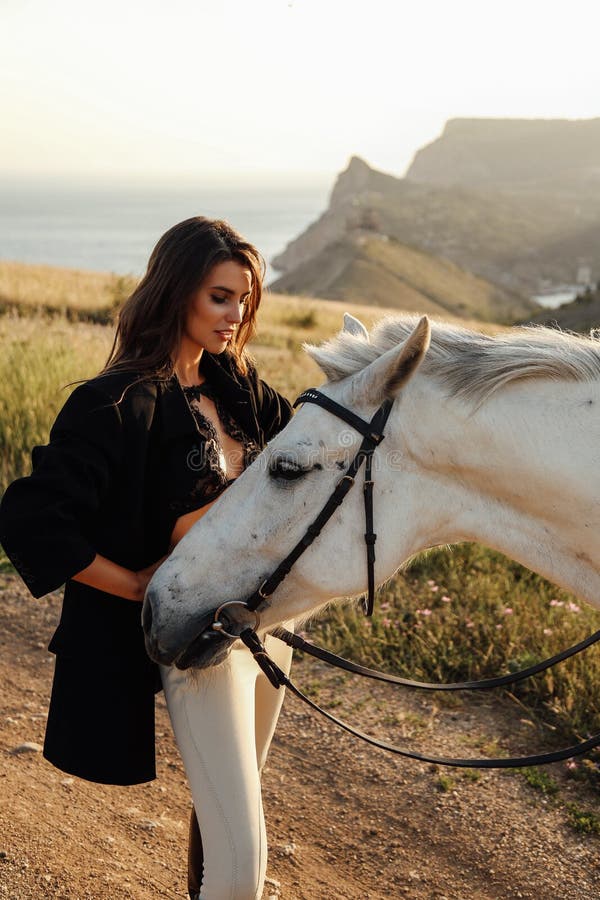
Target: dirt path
345 822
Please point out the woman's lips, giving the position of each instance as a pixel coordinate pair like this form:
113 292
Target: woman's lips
226 334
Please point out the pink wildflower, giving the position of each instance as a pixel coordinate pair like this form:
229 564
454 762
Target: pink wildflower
434 588
498 627
508 611
423 612
446 599
557 603
386 622
547 631
469 624
384 606
572 607
431 582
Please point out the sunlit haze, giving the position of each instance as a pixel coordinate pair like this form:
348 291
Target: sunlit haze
220 90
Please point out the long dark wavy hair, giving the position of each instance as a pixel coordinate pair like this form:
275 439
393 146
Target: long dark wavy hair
150 323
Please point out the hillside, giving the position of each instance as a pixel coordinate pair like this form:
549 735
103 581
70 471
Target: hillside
364 266
582 314
489 211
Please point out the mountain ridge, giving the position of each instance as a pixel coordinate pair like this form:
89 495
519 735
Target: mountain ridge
522 235
504 152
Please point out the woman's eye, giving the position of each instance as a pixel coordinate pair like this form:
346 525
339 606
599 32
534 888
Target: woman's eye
220 300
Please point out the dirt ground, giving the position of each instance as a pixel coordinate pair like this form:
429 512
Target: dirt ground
345 821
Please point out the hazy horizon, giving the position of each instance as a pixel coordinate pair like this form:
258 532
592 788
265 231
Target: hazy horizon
214 181
276 89
219 179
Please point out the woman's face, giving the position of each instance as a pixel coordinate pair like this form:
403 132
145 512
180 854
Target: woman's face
217 307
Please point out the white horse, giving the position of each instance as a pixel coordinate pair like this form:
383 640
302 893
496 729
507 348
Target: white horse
494 439
490 439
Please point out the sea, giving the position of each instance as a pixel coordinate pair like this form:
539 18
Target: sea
554 299
113 226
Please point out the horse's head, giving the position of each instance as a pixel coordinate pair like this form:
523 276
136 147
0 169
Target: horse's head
230 552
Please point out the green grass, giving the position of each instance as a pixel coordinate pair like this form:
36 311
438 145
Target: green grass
583 821
539 780
472 775
444 784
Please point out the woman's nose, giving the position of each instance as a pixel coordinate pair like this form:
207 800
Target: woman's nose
235 313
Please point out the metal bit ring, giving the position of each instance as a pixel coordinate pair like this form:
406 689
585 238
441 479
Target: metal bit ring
218 626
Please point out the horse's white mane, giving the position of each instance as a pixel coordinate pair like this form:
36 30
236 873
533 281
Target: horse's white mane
469 364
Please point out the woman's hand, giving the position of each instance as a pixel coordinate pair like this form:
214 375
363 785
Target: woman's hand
105 575
144 576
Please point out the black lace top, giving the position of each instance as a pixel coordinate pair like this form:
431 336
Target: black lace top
208 460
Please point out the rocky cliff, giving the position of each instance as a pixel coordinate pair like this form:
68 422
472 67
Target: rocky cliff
516 202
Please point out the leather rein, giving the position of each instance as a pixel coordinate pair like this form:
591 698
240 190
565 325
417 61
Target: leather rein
373 434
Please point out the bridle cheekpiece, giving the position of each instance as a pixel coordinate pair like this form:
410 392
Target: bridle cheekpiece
373 433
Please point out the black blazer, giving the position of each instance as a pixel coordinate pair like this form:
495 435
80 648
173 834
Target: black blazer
107 482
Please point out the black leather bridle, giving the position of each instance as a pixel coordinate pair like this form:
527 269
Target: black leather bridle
373 434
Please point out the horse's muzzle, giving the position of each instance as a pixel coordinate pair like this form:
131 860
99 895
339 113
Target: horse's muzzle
216 635
212 635
208 648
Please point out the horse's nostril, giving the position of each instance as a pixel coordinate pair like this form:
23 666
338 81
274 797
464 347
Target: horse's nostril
147 615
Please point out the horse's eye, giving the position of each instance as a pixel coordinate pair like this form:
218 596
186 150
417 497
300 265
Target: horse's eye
286 470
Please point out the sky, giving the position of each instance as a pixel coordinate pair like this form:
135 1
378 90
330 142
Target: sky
189 89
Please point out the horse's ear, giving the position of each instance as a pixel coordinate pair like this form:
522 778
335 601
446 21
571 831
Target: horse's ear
410 357
384 377
354 326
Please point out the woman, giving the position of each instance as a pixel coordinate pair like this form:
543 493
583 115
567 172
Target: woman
136 455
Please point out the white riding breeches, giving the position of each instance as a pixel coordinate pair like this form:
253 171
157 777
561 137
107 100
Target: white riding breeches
224 719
